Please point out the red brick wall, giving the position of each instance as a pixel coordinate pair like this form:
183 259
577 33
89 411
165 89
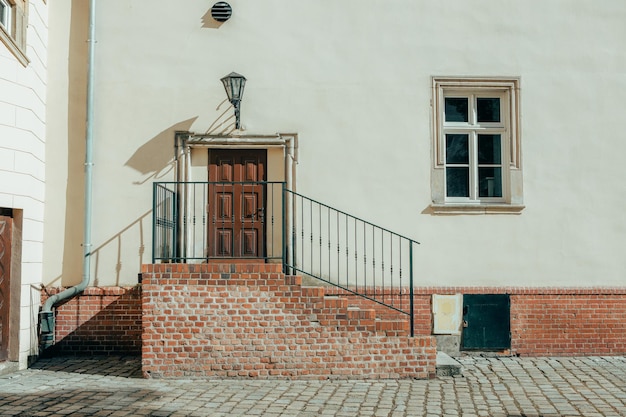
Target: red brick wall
544 321
561 324
251 321
103 320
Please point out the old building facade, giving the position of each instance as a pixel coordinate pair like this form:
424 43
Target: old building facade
487 131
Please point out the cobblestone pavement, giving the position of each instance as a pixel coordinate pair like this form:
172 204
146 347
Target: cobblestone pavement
593 386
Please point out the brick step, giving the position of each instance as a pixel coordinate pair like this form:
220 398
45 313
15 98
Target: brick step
329 310
333 311
293 280
382 311
313 292
343 312
390 327
337 303
350 319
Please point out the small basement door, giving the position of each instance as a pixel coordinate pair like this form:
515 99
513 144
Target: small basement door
486 322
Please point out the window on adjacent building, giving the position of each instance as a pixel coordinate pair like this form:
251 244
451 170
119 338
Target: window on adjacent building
476 161
13 24
5 15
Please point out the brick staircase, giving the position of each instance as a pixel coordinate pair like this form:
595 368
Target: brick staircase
337 311
250 320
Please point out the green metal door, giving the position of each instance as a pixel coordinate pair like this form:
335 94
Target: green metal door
486 322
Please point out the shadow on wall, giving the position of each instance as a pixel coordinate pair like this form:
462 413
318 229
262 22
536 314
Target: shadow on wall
137 228
225 123
99 322
155 158
77 93
209 23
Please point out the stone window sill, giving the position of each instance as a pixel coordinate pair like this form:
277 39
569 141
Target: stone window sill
476 208
13 47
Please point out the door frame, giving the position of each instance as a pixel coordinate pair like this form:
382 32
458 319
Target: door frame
283 170
15 288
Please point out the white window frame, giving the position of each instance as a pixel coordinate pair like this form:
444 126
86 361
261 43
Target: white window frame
507 89
13 28
5 15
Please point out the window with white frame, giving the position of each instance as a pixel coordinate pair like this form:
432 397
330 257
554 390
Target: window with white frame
476 166
13 26
5 15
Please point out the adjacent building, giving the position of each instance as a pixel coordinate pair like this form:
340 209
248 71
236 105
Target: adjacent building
23 92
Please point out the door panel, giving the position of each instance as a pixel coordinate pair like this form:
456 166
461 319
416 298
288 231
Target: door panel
6 225
486 322
250 243
236 207
224 243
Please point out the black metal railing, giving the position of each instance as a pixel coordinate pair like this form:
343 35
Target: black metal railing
165 223
200 221
203 221
350 253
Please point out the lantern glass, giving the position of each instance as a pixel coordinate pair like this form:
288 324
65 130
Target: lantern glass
234 84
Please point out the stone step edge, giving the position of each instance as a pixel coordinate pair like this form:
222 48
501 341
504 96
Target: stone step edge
447 366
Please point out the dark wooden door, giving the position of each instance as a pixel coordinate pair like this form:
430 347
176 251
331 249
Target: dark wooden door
236 208
486 322
6 224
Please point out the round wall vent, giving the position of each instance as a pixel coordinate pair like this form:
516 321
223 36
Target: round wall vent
221 11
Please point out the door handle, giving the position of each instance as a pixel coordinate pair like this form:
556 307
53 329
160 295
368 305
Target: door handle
260 213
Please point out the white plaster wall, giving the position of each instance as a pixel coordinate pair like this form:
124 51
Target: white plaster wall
352 78
22 161
65 149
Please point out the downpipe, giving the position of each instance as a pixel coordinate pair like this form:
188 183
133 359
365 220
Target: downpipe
46 316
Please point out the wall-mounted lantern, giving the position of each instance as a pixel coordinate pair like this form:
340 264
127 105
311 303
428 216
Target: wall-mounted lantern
233 84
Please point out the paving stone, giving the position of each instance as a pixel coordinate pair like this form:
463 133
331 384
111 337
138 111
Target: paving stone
531 387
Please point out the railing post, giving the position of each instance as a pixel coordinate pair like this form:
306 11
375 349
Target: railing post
411 302
154 214
284 222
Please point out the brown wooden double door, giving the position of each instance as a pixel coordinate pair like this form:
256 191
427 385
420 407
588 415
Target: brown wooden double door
6 224
236 207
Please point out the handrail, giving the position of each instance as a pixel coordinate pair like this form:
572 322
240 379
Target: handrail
346 214
352 254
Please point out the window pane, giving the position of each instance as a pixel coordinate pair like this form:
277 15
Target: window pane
490 182
456 109
457 151
3 14
488 109
489 151
457 182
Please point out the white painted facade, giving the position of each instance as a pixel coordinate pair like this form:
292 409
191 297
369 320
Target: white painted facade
23 98
354 81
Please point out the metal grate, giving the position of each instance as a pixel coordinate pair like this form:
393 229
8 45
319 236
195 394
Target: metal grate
221 11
